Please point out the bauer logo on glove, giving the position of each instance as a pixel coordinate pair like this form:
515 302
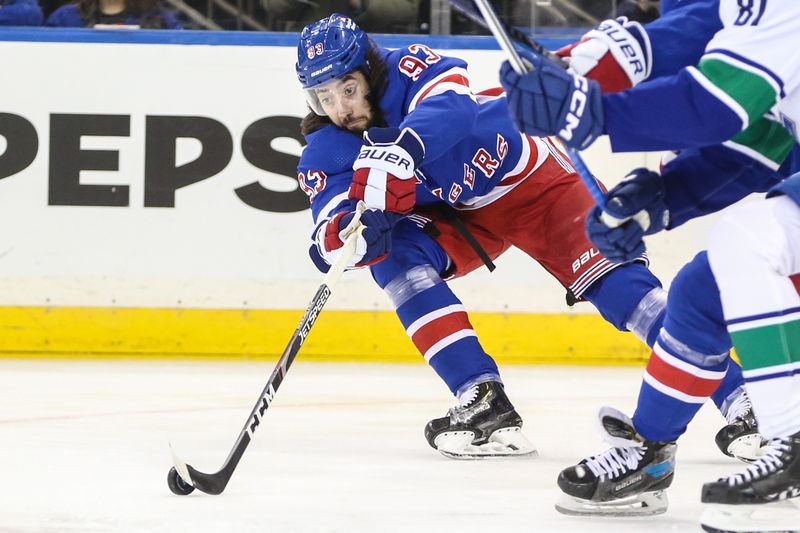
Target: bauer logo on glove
384 168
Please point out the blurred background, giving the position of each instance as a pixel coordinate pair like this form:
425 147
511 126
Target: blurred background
435 17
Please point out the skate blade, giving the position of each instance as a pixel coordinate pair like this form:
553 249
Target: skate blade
505 442
645 504
748 448
777 517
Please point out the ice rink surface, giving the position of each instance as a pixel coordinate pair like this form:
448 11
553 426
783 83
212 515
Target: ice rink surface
84 448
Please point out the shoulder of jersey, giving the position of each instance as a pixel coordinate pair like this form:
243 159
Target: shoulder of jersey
330 149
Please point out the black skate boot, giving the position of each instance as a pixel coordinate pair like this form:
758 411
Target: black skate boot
740 438
485 425
626 480
756 499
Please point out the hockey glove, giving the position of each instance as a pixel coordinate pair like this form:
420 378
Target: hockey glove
373 244
551 101
638 201
384 170
616 54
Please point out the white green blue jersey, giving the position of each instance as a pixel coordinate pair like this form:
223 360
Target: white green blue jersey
743 93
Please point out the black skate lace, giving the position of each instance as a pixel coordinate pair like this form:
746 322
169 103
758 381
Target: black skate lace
616 461
766 464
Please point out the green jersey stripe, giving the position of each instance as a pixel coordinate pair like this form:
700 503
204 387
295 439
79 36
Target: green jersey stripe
768 346
755 94
765 141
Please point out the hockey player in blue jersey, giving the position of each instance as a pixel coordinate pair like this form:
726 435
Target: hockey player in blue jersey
431 142
742 89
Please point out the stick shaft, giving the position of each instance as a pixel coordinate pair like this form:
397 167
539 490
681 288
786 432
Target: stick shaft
215 483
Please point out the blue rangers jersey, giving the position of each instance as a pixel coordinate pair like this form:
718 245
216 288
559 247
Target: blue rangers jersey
473 153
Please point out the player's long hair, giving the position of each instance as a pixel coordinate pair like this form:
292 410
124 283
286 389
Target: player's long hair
376 78
147 11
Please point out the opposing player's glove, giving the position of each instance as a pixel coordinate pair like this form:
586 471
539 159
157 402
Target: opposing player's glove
616 54
634 208
374 243
551 101
384 170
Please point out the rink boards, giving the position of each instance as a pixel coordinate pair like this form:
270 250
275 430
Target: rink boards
150 208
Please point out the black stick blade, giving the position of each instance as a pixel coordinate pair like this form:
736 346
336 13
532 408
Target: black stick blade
209 483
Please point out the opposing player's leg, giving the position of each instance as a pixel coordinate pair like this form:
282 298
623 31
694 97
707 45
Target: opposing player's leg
630 297
484 423
630 477
753 251
690 363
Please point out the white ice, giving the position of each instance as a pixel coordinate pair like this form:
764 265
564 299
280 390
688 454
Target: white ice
84 448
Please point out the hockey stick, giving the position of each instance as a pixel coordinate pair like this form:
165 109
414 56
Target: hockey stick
475 14
184 478
520 67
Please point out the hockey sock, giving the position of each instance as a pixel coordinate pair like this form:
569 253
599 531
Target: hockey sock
631 298
677 381
439 327
732 381
690 358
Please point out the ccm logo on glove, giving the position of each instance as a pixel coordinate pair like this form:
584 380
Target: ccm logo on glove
576 106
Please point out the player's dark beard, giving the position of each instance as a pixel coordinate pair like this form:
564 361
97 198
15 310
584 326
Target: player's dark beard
357 125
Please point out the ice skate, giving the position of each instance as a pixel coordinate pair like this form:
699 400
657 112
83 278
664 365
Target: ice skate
484 425
628 479
759 498
740 438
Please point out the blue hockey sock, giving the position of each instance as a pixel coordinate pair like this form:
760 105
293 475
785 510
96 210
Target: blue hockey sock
690 361
439 327
631 298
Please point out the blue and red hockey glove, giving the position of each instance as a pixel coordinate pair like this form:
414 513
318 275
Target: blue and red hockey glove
374 243
549 100
384 170
635 208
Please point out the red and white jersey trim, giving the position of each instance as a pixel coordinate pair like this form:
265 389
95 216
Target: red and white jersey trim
455 80
597 271
534 154
585 280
